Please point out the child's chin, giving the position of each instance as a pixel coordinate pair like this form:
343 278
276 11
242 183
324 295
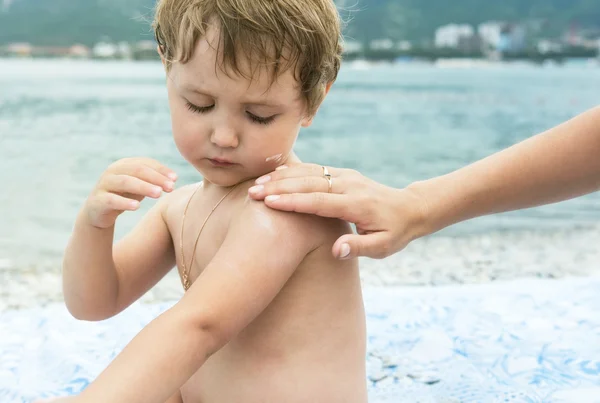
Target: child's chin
222 179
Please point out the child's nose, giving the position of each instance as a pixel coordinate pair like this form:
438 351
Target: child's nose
224 136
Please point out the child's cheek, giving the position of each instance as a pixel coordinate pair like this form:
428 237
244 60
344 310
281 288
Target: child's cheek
275 152
186 141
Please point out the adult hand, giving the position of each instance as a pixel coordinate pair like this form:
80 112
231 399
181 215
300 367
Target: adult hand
386 219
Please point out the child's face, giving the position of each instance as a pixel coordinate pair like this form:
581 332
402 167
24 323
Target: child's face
231 128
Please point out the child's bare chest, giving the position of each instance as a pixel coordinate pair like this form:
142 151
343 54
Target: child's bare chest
198 233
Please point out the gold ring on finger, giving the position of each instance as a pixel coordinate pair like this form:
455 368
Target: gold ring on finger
327 176
329 183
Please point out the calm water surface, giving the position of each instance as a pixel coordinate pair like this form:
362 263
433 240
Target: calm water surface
63 122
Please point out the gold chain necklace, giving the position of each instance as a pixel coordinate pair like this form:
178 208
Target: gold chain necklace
185 279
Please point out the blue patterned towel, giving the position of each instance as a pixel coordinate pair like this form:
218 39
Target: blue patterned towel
522 341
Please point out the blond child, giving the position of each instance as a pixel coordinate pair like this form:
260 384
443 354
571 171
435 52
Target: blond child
268 315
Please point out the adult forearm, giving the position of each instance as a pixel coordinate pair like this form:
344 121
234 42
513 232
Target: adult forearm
90 281
157 362
557 165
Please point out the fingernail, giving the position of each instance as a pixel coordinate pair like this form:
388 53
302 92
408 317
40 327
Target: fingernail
344 251
256 189
263 179
169 185
281 167
272 198
134 204
172 176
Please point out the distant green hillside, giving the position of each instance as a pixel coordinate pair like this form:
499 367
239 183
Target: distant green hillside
63 22
417 19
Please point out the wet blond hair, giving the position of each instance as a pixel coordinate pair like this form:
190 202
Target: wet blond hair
303 35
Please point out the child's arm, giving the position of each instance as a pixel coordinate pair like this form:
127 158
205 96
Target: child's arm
100 280
260 253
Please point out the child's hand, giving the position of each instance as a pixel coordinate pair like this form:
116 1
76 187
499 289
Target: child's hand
123 186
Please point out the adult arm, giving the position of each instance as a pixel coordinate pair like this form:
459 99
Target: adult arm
559 164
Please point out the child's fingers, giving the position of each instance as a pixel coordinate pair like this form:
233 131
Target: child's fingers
147 174
130 185
160 168
115 202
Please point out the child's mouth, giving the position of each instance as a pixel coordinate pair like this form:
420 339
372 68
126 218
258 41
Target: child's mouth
221 163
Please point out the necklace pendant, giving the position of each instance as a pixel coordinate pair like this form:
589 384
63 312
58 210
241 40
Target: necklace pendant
185 272
186 283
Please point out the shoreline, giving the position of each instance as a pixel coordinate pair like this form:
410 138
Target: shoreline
365 63
429 262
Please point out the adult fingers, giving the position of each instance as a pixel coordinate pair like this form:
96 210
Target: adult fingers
322 204
296 171
305 184
376 245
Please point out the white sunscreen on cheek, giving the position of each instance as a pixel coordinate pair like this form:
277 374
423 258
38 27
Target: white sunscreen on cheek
275 158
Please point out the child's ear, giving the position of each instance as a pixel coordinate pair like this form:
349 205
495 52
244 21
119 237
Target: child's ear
162 56
328 87
307 121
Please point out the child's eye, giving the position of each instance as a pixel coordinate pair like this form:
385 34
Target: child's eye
199 109
259 120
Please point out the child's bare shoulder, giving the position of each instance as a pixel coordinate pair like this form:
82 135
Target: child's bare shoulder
178 197
306 228
183 192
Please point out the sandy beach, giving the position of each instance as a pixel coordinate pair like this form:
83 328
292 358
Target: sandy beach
433 261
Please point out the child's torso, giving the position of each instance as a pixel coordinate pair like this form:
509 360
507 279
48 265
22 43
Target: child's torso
307 346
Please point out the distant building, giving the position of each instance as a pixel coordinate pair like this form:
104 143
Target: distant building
512 38
28 50
503 37
470 44
104 50
381 44
589 43
20 49
146 45
450 36
50 51
80 51
352 46
490 33
124 51
145 50
404 45
546 46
